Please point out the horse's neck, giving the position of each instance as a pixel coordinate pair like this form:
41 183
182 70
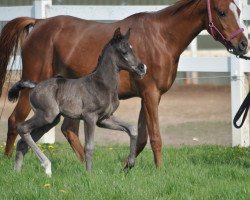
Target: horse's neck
182 27
106 74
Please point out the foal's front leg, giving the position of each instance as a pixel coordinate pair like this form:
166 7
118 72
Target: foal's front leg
114 123
89 129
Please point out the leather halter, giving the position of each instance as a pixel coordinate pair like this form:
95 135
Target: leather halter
214 29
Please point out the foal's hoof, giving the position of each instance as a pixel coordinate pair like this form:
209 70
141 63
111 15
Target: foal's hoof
17 169
130 164
47 167
49 174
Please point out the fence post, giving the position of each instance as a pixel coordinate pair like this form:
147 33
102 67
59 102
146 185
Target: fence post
41 7
40 11
194 49
239 90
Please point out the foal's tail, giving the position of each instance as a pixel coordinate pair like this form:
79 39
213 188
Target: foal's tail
12 37
13 93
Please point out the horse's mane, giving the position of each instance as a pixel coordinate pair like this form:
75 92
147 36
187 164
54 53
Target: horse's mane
182 5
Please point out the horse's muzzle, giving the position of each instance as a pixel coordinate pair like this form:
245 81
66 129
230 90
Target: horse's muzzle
241 48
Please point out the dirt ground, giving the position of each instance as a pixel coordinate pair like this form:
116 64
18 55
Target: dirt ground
187 114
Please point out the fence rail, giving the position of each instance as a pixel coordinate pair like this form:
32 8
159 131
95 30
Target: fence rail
237 68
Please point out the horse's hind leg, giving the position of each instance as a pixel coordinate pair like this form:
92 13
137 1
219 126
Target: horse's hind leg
19 114
22 147
116 124
70 129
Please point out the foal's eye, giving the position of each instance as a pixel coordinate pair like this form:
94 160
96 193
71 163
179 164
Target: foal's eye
221 13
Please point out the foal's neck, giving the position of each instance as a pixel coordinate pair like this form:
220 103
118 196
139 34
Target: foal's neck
181 23
106 73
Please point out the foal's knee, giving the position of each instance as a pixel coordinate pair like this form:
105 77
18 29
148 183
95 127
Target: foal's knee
89 149
22 129
133 132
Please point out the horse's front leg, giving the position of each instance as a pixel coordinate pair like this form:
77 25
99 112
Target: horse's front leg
70 129
142 132
19 114
114 123
150 102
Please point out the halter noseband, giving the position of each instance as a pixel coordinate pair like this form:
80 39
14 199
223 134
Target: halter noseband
213 28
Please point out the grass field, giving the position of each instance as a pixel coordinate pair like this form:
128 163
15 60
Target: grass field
197 172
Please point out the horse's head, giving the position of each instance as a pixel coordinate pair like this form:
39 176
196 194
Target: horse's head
125 59
225 26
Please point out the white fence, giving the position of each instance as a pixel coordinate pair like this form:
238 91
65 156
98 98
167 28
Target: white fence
237 68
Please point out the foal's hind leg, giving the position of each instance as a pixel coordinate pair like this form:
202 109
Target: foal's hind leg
25 128
116 124
22 147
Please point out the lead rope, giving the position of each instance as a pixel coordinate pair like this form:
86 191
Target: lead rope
243 109
244 106
244 57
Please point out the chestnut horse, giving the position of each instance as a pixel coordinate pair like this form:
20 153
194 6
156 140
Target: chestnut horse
70 46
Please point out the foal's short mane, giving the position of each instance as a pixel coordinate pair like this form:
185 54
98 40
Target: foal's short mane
112 41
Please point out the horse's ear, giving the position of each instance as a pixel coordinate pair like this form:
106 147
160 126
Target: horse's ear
128 34
117 33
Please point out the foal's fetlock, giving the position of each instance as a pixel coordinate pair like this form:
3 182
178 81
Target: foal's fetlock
18 161
130 164
47 167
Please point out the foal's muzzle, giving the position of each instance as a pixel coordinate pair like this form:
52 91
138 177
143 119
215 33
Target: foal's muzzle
140 70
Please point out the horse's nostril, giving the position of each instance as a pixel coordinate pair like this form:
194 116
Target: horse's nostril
243 45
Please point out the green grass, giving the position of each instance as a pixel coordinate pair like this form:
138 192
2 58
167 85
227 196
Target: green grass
198 172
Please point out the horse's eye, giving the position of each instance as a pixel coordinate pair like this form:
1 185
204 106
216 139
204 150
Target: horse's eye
221 13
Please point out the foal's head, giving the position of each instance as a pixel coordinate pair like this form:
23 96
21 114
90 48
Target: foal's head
124 57
225 26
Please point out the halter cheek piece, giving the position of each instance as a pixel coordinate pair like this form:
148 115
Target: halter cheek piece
214 29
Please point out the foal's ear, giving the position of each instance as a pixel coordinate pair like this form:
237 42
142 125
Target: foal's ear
117 34
128 34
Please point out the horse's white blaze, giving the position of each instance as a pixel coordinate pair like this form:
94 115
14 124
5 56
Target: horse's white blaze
233 8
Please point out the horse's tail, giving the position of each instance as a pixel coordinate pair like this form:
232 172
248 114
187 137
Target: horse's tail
13 93
12 37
